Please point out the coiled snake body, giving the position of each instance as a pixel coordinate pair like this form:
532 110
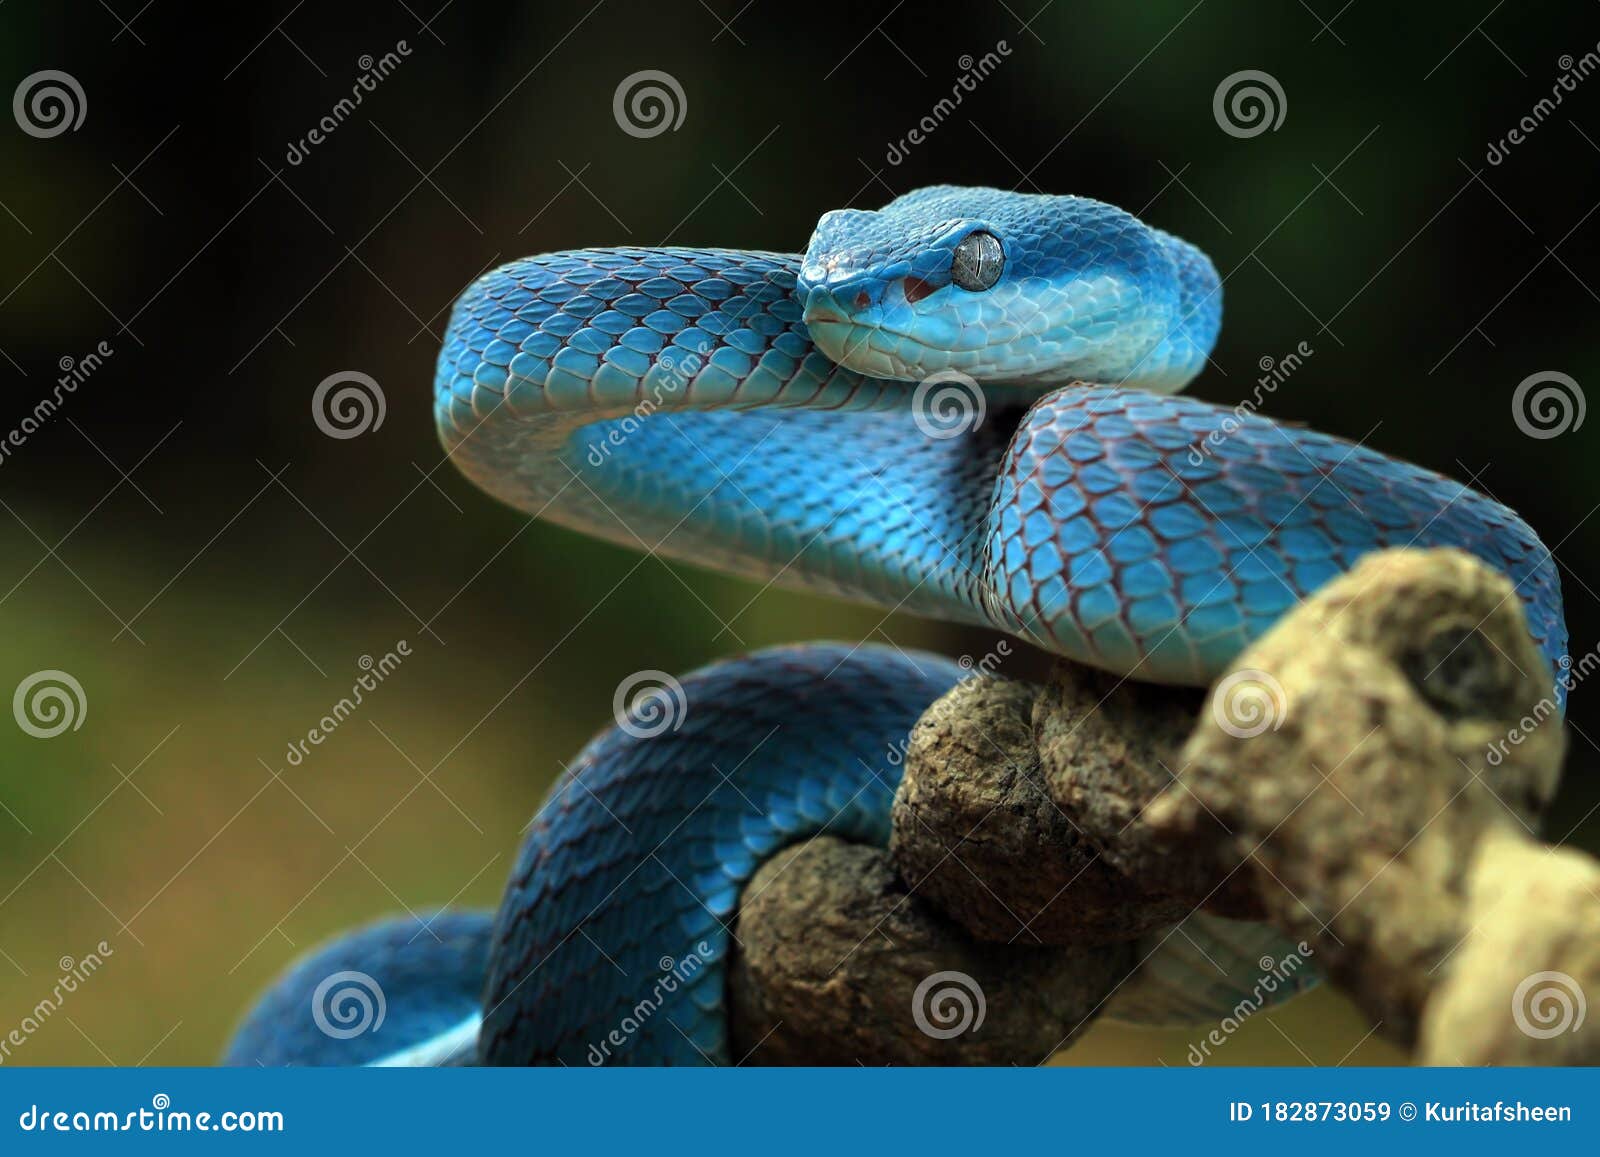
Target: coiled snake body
957 406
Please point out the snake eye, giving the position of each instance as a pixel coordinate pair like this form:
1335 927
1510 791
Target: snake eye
978 261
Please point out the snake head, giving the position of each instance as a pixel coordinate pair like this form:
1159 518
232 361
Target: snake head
1008 288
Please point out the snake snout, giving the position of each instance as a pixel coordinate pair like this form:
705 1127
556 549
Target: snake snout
858 300
841 319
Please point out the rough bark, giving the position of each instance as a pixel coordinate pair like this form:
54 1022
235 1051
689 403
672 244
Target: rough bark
977 833
1352 764
1367 778
838 965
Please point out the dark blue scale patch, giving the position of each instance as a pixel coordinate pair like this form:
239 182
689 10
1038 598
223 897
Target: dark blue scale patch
720 322
1310 575
1029 496
1095 604
1084 446
714 288
557 293
1286 457
688 305
746 341
515 329
1066 502
1045 561
1057 471
1347 524
1089 569
732 361
587 341
1098 478
634 305
1078 535
1146 579
1133 455
1177 521
575 361
499 353
660 288
1155 487
1038 443
664 321
717 381
1262 566
529 365
1270 598
1115 511
1038 527
1116 427
767 325
630 361
562 325
586 307
490 376
1193 467
1388 513
1132 544
1196 557
696 339
613 323
930 265
1302 543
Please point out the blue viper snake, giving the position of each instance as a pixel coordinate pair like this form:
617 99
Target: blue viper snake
959 406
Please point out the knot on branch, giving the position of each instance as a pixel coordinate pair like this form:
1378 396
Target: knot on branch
839 964
979 832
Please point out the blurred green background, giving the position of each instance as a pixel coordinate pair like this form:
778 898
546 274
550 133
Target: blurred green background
183 540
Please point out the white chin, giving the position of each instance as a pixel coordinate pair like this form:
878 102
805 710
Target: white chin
860 348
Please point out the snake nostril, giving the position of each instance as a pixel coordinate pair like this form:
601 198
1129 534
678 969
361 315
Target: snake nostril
862 300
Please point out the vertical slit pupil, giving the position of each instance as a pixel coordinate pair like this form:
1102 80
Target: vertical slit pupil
978 262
